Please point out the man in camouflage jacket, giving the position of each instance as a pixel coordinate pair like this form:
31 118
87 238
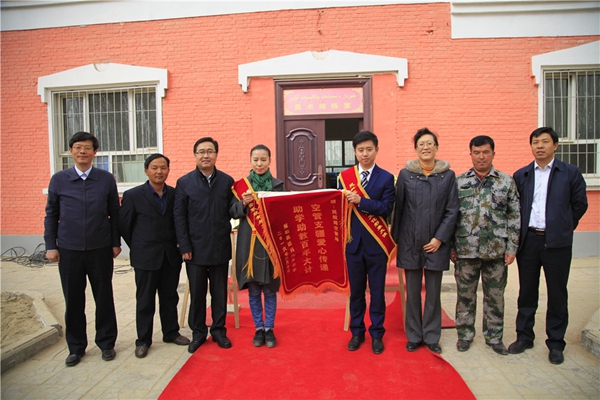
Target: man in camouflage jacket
485 243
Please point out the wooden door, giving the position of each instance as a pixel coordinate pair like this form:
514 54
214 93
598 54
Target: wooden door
304 148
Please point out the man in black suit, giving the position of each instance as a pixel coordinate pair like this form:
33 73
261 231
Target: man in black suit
147 226
202 222
553 200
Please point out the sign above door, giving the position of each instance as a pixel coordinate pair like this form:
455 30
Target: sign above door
318 101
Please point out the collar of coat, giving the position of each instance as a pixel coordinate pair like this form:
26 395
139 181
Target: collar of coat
415 166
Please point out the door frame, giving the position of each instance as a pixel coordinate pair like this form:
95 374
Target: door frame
280 86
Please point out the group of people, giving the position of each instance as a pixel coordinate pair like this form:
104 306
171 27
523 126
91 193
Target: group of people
480 220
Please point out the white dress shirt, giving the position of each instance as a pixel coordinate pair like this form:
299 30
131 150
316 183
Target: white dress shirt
540 194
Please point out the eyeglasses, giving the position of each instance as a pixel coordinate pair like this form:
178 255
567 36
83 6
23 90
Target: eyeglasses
208 152
424 144
84 148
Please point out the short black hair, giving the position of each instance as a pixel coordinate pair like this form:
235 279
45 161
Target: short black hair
364 136
83 137
422 132
153 157
542 130
206 139
261 147
480 141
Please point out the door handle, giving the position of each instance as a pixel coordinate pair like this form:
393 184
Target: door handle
320 176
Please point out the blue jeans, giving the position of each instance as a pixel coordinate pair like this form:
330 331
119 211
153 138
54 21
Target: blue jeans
256 306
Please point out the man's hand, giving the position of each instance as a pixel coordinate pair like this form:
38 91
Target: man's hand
53 255
453 256
432 246
508 259
116 252
187 256
352 197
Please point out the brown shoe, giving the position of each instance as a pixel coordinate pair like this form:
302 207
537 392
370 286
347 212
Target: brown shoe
463 345
179 340
499 348
141 351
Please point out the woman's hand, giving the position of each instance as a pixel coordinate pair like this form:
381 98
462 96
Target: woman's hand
432 246
247 198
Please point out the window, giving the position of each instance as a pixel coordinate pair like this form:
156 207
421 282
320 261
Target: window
572 108
569 101
123 120
119 104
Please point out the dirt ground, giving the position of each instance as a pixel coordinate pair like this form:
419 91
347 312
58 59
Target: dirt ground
18 318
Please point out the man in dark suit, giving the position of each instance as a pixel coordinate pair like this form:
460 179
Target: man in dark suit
202 223
147 226
553 200
81 234
371 192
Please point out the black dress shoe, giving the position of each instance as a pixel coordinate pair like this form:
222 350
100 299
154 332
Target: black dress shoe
179 340
195 344
556 357
109 355
412 346
377 346
73 360
463 345
222 341
518 347
499 348
141 351
435 348
355 342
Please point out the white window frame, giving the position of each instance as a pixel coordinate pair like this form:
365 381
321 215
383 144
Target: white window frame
107 76
580 58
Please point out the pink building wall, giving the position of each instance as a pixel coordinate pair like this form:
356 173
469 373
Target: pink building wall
458 88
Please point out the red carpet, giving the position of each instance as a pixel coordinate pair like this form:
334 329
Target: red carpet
311 362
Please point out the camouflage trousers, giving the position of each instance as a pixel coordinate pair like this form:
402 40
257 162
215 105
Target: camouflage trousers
494 275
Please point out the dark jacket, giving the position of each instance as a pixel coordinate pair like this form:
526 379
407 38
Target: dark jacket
202 221
82 214
381 203
261 264
426 207
565 204
149 233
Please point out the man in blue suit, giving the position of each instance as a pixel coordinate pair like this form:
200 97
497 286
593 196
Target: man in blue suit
553 200
371 192
146 223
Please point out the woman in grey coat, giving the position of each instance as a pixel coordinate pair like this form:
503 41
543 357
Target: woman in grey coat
424 219
255 271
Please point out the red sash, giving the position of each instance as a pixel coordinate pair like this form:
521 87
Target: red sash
254 220
374 224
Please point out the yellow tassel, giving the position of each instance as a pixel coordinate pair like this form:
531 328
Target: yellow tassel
249 267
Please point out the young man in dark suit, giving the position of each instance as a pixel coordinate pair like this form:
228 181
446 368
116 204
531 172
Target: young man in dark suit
553 200
147 226
371 192
81 234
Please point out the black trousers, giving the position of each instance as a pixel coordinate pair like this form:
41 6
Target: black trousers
164 281
556 264
199 275
363 267
97 266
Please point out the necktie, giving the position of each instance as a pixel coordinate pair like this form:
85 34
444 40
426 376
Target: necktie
364 180
83 176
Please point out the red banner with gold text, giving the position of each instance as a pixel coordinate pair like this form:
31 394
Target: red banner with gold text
306 239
